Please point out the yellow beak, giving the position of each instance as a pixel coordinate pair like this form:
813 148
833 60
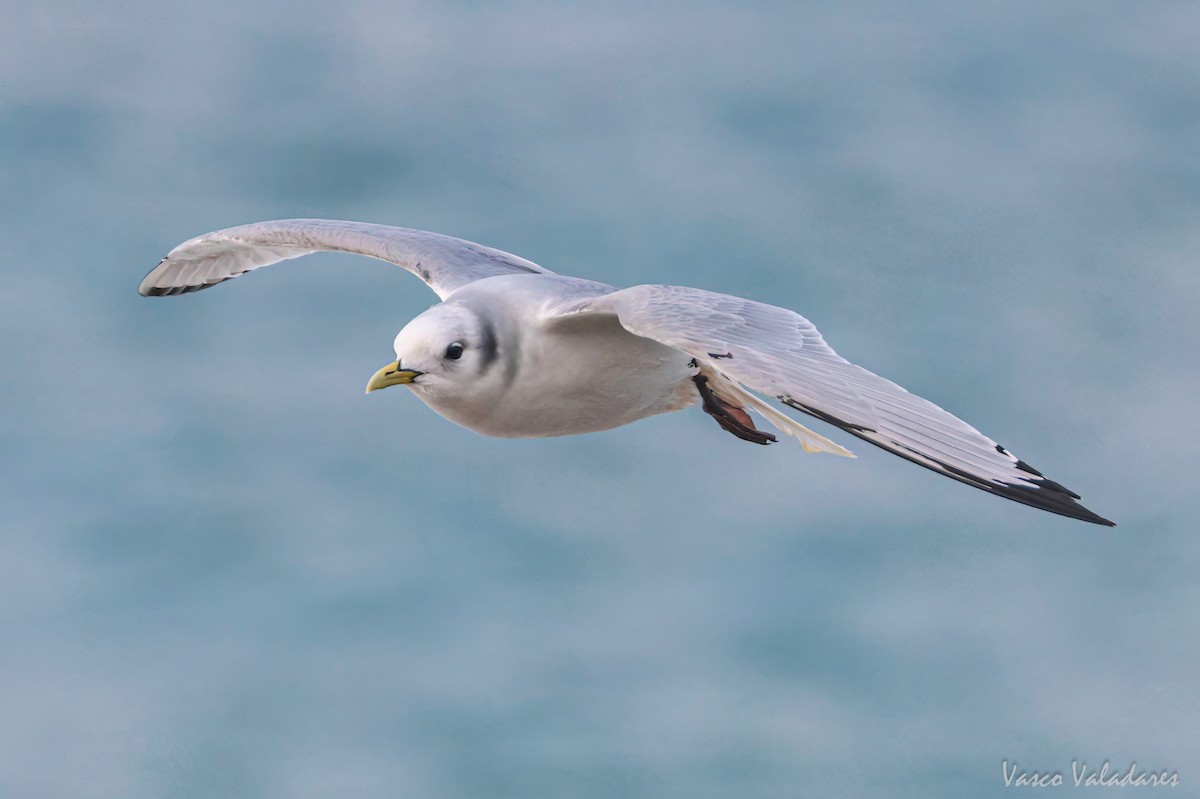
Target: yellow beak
391 375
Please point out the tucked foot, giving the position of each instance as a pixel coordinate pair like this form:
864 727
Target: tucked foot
731 418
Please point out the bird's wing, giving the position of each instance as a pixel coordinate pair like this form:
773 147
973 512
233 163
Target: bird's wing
780 353
443 262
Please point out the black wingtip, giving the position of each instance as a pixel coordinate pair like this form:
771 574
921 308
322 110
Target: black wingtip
1039 492
1046 494
171 291
148 289
1051 496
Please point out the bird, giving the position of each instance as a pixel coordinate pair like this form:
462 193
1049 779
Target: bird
514 350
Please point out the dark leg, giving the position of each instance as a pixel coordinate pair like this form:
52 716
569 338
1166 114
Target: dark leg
731 418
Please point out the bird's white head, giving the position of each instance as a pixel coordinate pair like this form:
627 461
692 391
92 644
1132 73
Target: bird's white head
450 357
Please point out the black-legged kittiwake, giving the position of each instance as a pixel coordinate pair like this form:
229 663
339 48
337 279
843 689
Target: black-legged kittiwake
514 350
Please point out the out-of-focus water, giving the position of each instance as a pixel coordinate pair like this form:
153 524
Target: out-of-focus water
226 572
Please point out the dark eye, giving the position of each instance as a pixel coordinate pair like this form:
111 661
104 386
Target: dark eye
454 351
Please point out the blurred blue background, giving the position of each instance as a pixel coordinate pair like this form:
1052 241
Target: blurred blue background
226 572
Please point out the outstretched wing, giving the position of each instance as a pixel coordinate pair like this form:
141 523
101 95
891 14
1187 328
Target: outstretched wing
780 353
443 262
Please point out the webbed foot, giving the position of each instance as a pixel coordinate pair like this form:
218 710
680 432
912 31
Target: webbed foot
731 418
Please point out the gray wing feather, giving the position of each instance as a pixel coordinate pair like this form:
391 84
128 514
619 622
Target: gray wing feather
778 352
443 262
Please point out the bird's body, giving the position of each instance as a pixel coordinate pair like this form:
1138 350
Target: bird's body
558 377
516 351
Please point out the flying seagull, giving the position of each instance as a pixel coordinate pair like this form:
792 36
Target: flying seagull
515 350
